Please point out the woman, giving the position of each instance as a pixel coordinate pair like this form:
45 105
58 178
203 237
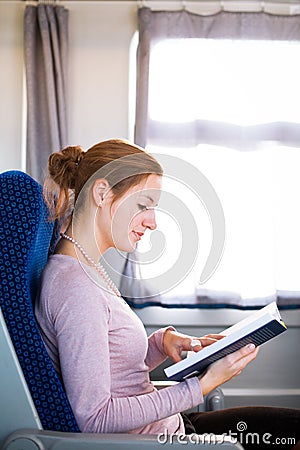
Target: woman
96 342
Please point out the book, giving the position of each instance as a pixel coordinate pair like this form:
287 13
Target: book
259 327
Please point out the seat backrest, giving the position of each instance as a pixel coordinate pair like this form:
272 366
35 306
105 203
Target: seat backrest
26 236
16 406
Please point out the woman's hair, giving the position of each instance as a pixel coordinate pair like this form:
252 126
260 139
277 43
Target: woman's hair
122 164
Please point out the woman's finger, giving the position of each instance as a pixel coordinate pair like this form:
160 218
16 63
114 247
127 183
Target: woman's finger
240 359
196 345
213 336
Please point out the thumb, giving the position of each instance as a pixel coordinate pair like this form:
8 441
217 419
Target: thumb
175 355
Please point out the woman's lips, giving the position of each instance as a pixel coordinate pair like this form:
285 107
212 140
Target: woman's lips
138 235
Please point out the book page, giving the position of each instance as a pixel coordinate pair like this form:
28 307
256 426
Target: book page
270 310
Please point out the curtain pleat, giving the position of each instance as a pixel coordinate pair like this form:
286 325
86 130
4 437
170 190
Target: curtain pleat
143 59
45 50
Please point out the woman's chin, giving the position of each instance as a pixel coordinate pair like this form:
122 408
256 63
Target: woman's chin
128 248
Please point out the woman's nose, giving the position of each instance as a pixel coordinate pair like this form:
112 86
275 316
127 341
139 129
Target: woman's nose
149 220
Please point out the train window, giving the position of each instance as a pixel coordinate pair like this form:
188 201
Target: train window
231 109
233 81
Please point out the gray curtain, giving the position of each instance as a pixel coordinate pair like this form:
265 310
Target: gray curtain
157 25
45 50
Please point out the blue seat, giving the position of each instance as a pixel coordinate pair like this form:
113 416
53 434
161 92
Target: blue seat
27 238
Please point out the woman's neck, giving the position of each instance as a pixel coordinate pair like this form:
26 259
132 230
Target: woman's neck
86 237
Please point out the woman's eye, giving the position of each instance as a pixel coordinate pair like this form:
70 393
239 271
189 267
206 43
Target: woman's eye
142 207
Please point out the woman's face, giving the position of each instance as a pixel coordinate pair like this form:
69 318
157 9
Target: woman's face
133 213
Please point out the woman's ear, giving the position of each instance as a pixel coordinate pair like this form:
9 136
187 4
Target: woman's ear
100 188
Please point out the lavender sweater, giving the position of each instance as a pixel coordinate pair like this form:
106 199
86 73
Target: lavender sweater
99 347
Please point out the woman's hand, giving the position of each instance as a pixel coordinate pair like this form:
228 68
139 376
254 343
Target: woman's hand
227 368
175 343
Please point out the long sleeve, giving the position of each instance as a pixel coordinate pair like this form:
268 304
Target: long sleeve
156 354
99 346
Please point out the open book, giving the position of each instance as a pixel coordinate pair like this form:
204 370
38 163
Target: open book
258 328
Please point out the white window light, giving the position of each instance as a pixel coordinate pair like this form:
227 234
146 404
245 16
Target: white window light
243 83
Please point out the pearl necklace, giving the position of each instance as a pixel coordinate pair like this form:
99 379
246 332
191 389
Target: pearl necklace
100 269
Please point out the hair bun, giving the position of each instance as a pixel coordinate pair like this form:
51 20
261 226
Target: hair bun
63 166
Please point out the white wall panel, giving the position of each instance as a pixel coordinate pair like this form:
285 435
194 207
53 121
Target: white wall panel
100 37
11 84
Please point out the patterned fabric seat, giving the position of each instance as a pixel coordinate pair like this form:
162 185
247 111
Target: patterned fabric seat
26 238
